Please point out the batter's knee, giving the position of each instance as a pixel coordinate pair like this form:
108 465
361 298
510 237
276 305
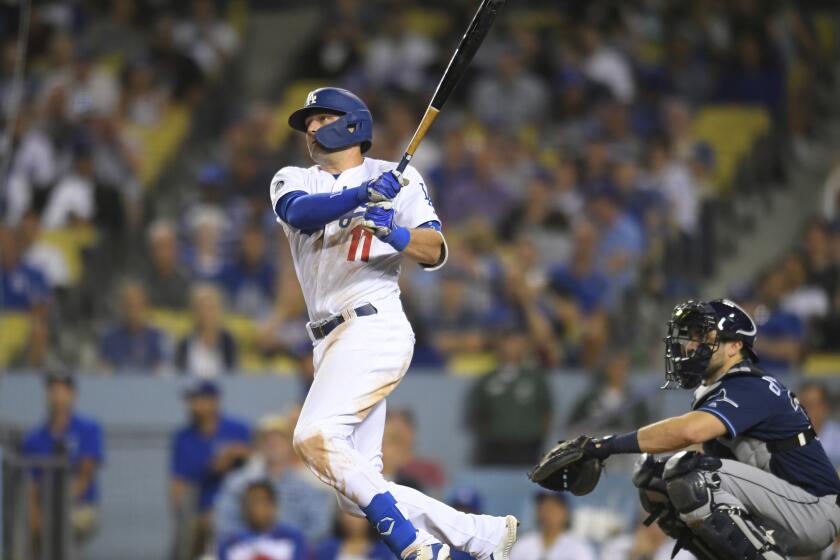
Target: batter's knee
346 505
309 443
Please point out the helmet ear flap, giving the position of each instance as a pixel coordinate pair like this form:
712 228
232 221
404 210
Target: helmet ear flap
355 127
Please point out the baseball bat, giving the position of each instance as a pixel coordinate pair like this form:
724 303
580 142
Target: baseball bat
472 39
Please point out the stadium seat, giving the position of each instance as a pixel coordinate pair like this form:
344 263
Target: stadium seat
159 142
822 364
471 363
175 324
293 99
731 130
71 242
15 328
434 23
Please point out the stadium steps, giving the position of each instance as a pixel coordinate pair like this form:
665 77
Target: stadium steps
273 38
774 217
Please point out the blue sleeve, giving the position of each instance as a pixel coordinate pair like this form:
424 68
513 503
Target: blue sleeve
106 347
180 461
224 547
311 212
91 444
243 432
300 548
741 404
29 446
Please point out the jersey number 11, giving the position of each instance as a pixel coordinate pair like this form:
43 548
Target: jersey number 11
357 234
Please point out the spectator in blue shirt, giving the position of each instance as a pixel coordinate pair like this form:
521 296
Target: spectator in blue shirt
305 503
353 538
781 333
133 344
203 452
78 439
578 296
24 289
250 280
264 539
620 243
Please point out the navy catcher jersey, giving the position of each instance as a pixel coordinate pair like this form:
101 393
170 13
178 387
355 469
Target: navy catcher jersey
753 404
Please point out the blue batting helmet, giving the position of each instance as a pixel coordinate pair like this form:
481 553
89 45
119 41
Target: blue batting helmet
354 127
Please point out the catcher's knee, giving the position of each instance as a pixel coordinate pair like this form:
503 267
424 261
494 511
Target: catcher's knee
690 479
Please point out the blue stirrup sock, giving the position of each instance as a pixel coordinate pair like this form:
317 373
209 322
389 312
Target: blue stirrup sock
394 529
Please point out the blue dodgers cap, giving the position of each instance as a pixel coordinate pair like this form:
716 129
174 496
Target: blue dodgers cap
201 388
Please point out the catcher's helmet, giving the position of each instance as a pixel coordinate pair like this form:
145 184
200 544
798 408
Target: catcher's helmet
694 320
354 127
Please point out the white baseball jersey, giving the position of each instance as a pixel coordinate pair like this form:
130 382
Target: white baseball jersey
339 431
342 265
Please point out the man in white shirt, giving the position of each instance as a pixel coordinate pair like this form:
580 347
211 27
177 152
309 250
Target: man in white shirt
552 540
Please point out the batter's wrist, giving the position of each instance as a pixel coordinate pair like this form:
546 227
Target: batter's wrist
398 238
361 193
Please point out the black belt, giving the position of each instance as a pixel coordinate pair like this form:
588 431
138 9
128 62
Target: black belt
799 440
321 329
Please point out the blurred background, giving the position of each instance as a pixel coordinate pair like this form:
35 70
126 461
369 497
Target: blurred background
600 162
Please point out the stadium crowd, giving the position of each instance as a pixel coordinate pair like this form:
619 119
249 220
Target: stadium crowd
568 173
573 186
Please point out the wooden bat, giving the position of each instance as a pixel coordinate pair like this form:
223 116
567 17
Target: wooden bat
472 39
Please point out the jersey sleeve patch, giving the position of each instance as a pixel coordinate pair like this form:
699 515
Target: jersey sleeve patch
288 179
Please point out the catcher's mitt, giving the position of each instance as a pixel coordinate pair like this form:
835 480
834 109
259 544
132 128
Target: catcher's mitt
568 467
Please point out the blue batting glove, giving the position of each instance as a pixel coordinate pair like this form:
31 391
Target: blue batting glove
379 220
385 187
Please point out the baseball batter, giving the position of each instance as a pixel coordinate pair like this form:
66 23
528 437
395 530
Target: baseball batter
351 222
763 488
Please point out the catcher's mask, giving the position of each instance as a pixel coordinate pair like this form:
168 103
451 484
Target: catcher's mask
694 321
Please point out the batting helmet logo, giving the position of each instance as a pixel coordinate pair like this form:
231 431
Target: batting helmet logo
312 98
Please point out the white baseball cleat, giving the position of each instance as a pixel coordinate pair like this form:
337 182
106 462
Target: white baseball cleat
505 545
435 551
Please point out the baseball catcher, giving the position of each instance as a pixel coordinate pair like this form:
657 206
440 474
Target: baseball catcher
762 487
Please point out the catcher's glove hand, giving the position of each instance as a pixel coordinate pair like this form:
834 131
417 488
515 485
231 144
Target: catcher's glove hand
570 466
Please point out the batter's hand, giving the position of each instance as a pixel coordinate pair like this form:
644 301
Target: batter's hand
386 187
379 219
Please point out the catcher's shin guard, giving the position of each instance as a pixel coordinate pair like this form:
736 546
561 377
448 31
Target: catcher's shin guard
731 534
